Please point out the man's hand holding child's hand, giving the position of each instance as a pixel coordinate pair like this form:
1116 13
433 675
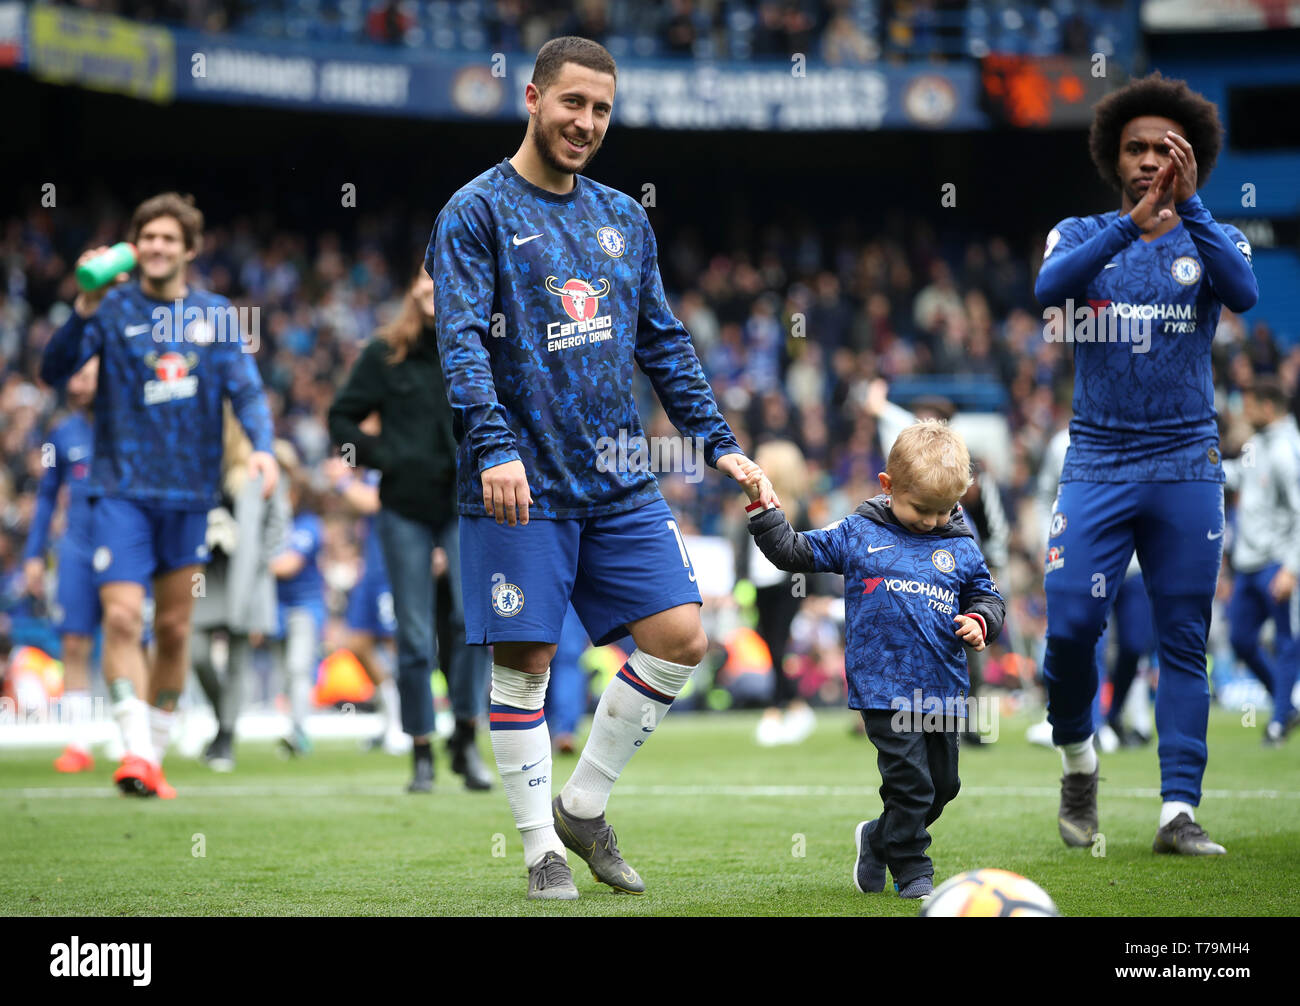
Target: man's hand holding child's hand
753 482
970 632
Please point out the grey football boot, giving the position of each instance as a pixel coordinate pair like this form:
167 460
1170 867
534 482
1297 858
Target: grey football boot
551 880
1187 838
594 840
1077 817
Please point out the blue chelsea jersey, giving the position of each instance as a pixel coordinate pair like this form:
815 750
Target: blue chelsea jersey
546 303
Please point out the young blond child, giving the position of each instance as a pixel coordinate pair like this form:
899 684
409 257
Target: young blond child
916 593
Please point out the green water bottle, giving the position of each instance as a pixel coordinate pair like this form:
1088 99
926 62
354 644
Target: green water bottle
103 269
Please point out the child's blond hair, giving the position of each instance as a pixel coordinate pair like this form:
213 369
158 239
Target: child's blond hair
930 460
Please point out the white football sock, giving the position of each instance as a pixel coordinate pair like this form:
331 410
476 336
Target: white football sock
160 731
1170 809
634 703
76 710
1079 758
522 746
132 716
391 702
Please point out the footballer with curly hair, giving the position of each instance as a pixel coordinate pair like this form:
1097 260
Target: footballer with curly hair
1147 282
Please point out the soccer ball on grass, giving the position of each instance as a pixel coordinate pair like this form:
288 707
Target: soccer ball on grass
989 894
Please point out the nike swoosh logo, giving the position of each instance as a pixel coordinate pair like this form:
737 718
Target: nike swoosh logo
873 549
1074 830
533 765
586 852
523 241
131 330
1111 265
1211 535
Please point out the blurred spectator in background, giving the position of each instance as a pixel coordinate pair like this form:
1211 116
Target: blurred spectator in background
590 19
399 376
238 601
300 590
845 44
386 23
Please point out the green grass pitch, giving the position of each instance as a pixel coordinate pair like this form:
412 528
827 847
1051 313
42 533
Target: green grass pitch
715 825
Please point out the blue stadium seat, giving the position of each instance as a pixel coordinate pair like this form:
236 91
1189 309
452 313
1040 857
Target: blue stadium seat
1047 34
1275 269
618 46
978 22
739 22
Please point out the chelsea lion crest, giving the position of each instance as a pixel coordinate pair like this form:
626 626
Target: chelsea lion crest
1186 270
943 561
611 242
507 600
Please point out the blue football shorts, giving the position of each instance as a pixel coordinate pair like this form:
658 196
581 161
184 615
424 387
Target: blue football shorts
615 568
135 542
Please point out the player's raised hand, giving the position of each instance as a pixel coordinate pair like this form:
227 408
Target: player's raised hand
970 632
877 397
1184 161
265 465
505 493
88 301
1155 208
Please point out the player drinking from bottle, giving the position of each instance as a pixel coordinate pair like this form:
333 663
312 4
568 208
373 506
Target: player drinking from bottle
158 441
548 293
1142 469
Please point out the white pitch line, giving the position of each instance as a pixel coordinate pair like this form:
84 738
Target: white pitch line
1033 791
97 792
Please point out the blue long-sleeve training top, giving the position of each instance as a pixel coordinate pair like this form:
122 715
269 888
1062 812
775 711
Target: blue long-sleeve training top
1142 316
545 303
902 591
158 406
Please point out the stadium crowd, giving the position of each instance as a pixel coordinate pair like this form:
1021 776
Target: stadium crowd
840 32
794 332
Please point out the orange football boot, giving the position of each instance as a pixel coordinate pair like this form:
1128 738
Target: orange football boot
135 776
161 787
74 759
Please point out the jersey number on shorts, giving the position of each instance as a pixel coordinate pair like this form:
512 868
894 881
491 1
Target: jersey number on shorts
681 547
